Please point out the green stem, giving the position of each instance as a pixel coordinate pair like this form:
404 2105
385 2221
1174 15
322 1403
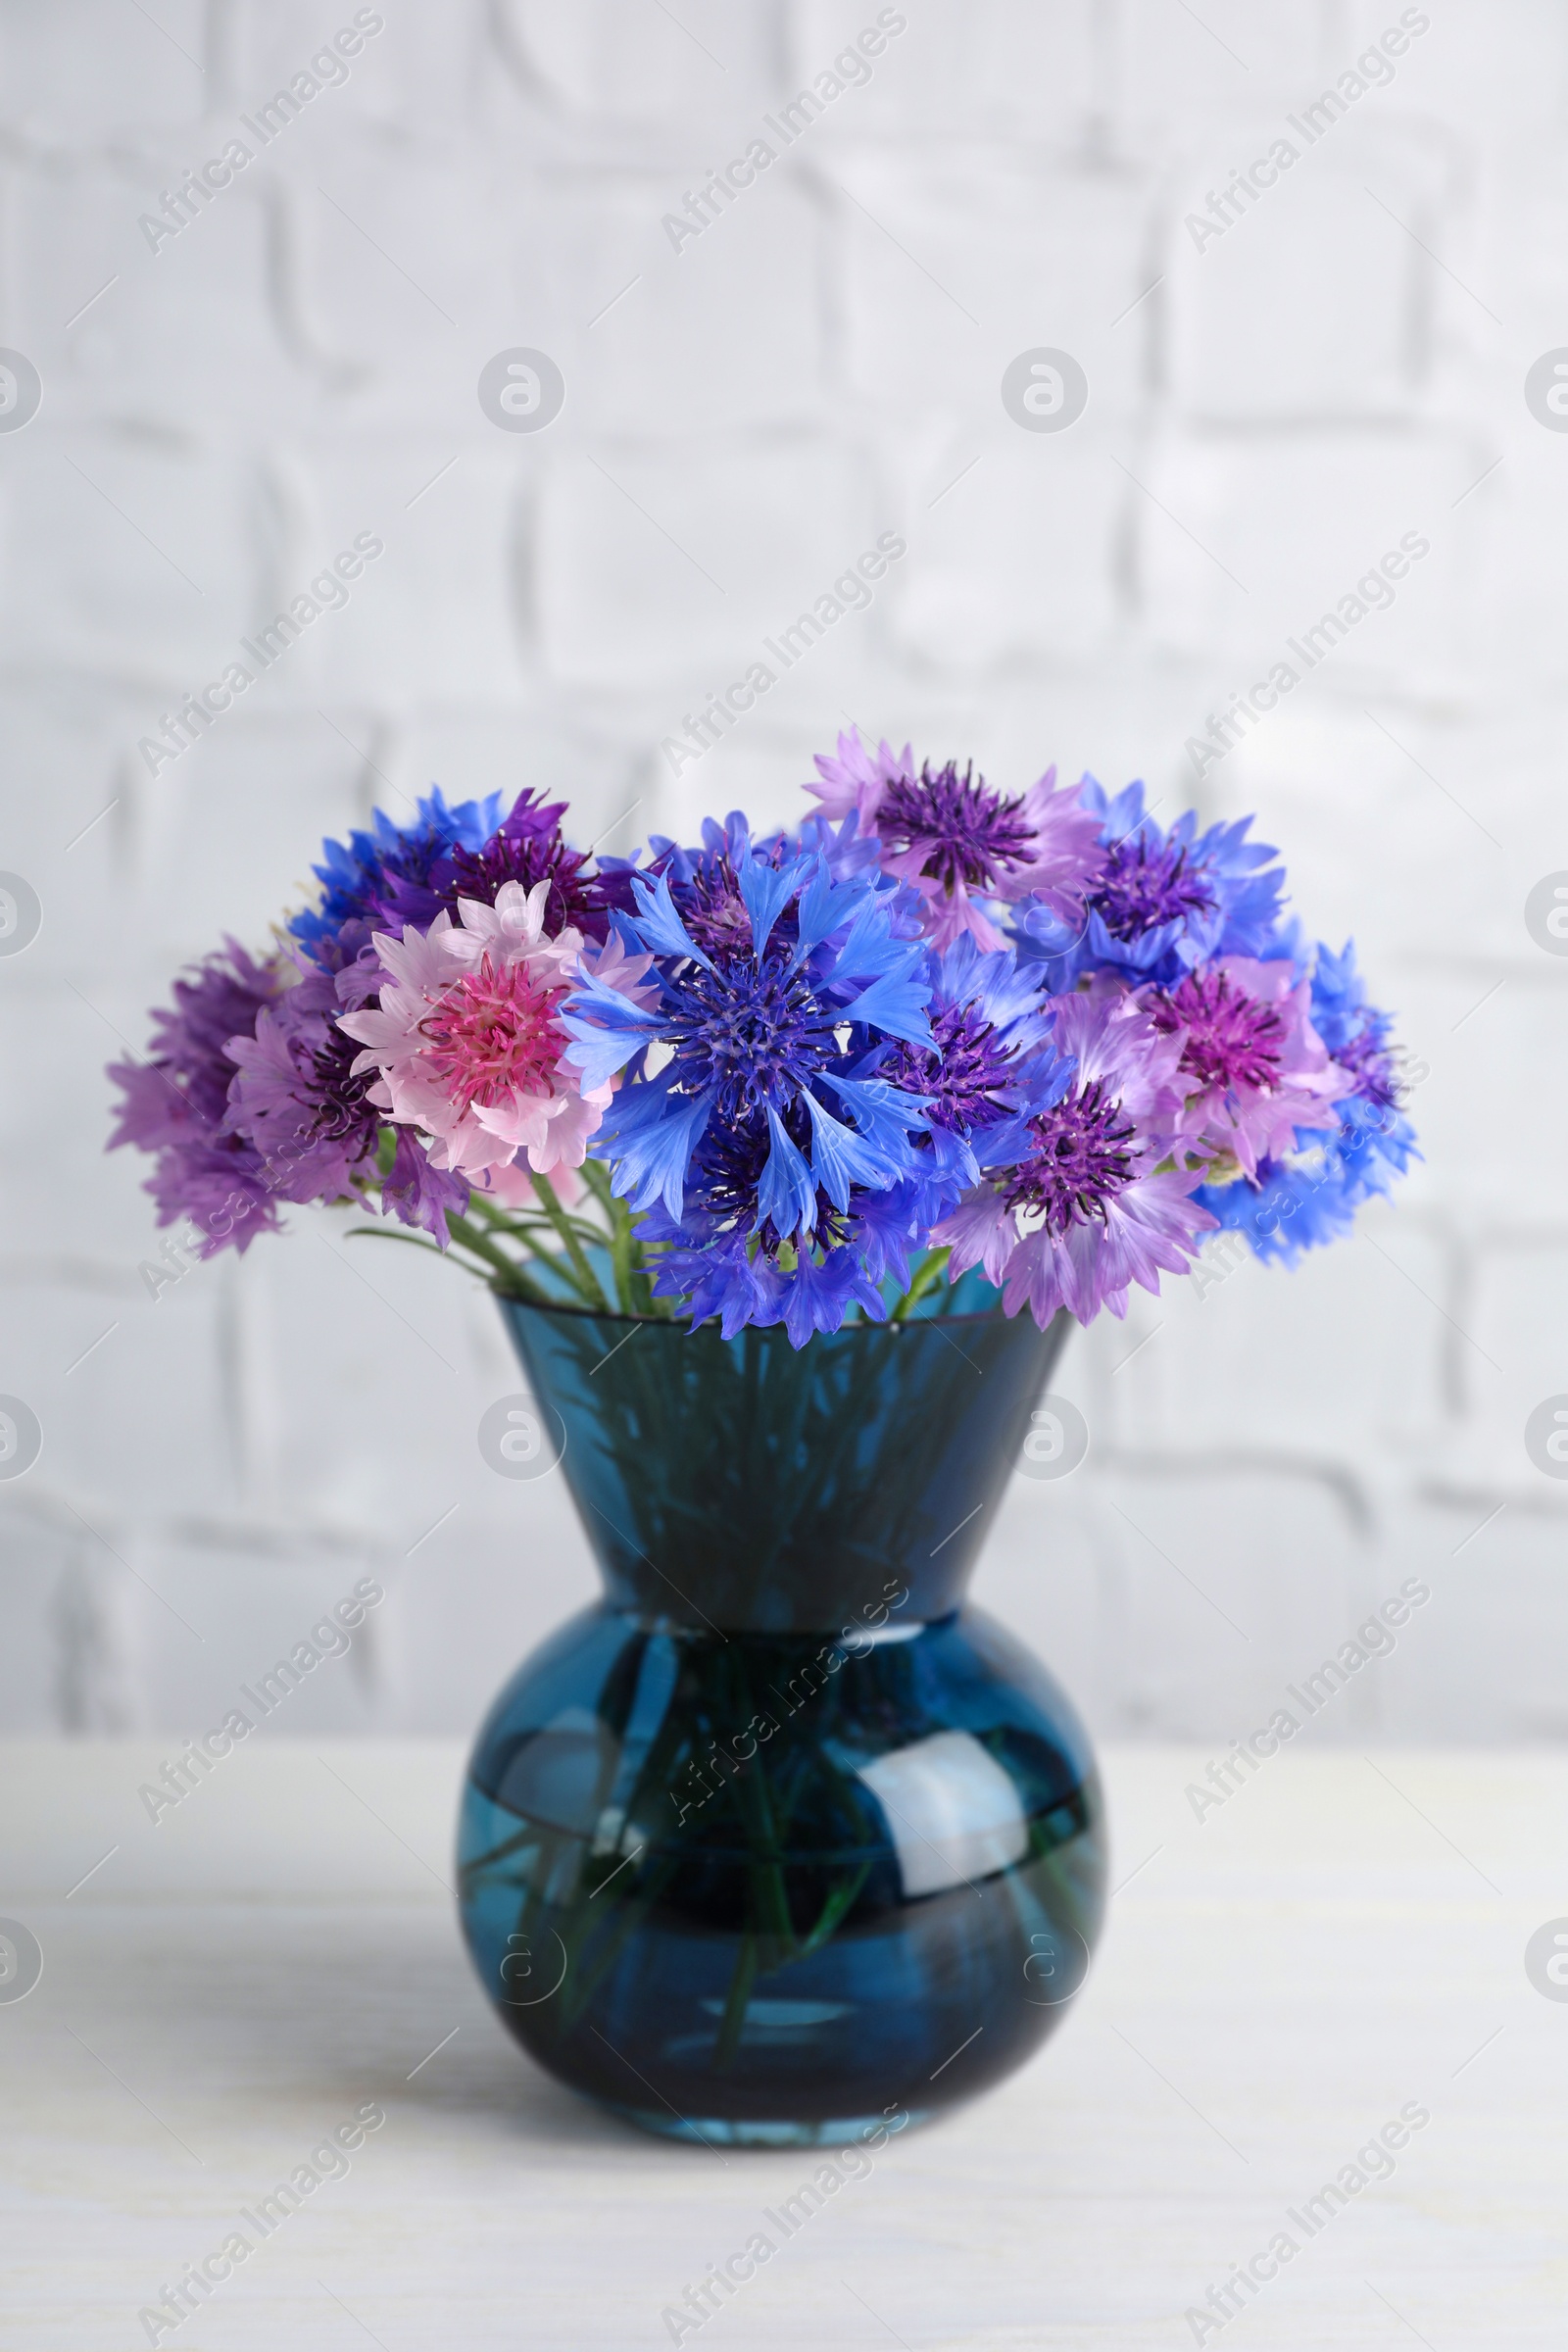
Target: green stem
414 1241
528 1835
838 1904
550 1260
632 1286
588 1280
733 2022
560 1268
927 1274
515 1223
596 1176
480 1245
626 1256
499 1220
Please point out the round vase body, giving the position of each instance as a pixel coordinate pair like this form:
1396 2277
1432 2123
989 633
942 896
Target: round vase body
781 1843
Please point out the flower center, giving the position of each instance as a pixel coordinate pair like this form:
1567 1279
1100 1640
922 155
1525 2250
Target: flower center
729 1162
337 1095
965 1074
714 912
970 832
1079 1162
525 858
753 1033
1232 1038
1366 1058
492 1035
1144 886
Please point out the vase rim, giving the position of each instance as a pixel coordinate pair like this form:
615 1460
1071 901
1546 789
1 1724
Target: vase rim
597 1314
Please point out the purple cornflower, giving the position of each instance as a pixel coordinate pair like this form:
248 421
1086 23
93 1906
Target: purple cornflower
1081 1156
708 894
1075 1205
1161 902
1364 1059
1147 883
176 1101
525 847
295 1099
357 875
1295 1200
704 886
990 1058
968 1073
956 841
963 832
1354 1032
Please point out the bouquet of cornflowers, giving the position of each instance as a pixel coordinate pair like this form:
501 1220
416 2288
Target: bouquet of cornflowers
936 1030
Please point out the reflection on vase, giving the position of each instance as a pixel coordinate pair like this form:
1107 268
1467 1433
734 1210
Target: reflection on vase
781 1837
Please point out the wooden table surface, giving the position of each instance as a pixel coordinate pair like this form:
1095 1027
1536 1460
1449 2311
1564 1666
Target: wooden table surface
1341 1942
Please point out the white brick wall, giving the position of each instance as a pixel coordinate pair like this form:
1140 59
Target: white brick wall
742 417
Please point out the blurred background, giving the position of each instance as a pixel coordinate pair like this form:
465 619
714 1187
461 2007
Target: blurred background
1283 385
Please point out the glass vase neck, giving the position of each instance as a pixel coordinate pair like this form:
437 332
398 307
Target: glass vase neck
745 1486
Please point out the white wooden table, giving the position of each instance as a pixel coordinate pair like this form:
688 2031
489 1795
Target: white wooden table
1341 1940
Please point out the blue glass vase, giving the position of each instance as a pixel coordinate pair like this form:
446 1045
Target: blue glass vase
782 1838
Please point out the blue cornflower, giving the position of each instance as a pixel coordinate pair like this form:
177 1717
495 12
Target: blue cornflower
1297 1204
722 1275
356 875
1162 902
1354 1032
756 1114
761 1036
703 880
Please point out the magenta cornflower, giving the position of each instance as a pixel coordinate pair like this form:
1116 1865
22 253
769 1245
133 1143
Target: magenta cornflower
1088 1195
1231 1039
1253 1067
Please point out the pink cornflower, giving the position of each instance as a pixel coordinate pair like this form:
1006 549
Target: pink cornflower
468 1044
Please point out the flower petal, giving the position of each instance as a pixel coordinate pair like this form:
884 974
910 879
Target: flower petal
786 1195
